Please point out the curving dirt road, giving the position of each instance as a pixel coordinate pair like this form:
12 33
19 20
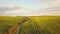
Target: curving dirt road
20 25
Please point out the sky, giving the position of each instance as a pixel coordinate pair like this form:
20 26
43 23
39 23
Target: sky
29 7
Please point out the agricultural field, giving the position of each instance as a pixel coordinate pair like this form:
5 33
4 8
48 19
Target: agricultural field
7 21
31 24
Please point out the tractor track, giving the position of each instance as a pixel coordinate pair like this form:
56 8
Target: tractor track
20 25
15 29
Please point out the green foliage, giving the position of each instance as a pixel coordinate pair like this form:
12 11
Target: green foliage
41 25
35 24
6 21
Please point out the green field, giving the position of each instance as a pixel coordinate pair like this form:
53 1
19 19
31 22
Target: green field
6 21
35 24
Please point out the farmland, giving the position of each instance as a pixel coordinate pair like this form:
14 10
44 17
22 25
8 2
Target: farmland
32 25
7 21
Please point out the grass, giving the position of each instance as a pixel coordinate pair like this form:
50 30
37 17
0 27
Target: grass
6 21
35 24
41 25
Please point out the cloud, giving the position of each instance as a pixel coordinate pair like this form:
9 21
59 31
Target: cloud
48 7
50 3
9 9
23 11
15 10
51 11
